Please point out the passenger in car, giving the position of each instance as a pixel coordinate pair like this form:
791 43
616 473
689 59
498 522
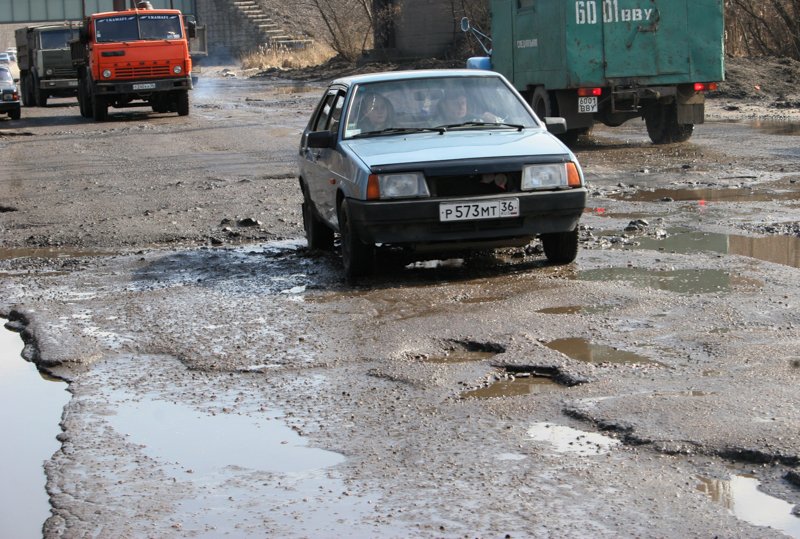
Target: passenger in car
376 113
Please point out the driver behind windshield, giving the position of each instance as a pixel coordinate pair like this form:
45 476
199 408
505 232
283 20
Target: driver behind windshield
454 109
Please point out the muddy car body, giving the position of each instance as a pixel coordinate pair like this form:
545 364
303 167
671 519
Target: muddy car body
426 182
9 95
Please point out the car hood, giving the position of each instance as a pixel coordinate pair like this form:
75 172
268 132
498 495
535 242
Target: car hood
454 145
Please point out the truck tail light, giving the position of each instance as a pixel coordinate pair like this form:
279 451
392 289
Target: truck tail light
589 92
705 86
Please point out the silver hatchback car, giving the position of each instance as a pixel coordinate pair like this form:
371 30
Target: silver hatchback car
434 161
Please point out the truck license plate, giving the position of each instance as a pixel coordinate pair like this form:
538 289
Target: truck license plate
587 104
145 86
492 209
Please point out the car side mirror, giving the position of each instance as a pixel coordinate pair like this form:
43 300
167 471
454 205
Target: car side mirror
321 139
556 126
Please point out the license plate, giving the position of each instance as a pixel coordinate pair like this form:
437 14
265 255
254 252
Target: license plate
72 83
587 104
8 97
468 211
145 86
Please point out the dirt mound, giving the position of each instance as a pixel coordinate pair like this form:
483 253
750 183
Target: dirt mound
762 78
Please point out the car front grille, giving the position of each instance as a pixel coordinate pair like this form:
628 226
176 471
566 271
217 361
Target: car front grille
474 185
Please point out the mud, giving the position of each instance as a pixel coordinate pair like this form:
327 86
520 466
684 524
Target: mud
165 312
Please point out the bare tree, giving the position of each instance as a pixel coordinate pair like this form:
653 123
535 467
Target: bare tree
348 25
764 27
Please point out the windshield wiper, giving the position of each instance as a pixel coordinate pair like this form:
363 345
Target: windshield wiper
518 127
399 131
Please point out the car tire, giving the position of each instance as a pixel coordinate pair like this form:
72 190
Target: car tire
318 234
358 257
15 114
183 103
663 127
560 247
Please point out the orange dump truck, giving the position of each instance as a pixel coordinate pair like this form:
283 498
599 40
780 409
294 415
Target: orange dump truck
133 58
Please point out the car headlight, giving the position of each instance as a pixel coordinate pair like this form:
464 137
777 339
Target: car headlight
550 176
397 185
106 73
177 70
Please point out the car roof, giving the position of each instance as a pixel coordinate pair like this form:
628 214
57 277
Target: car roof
386 76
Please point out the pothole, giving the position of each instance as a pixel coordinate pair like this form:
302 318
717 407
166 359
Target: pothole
30 409
7 209
778 249
583 350
740 495
564 439
456 351
518 380
694 281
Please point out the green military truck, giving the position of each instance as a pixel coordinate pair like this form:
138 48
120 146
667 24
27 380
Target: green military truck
610 61
45 62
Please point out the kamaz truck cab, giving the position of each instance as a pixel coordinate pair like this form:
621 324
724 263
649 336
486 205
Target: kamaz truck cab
132 58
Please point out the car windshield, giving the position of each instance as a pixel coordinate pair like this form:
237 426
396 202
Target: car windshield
5 76
57 39
440 103
135 28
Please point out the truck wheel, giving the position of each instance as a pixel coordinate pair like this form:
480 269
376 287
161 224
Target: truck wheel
663 127
318 234
39 95
540 103
358 257
183 103
560 247
99 108
27 94
84 98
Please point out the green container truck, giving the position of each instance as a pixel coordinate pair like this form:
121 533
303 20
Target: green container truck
610 61
45 62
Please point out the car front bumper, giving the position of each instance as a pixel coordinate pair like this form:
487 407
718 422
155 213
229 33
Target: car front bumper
414 222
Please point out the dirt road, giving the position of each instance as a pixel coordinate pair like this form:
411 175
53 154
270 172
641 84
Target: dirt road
225 381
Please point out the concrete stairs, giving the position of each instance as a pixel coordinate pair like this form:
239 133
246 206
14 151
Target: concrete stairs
273 36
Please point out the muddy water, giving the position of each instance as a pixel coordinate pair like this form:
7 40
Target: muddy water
30 410
778 249
520 385
583 350
740 495
696 281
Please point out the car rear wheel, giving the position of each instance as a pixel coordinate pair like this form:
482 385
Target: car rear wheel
560 247
15 114
319 236
358 257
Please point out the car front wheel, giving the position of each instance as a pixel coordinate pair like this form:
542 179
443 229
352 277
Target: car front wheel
319 236
358 257
560 247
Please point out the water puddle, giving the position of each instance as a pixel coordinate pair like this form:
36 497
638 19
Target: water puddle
516 386
740 495
582 350
207 444
30 411
700 281
568 440
777 128
704 195
779 249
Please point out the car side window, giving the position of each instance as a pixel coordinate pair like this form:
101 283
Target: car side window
325 113
336 114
